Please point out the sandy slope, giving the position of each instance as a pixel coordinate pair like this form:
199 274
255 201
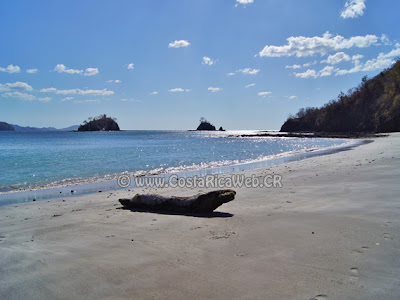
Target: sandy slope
332 232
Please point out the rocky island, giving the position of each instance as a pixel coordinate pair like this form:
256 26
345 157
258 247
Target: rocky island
100 123
205 125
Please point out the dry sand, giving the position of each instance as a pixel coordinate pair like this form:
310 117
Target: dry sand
332 232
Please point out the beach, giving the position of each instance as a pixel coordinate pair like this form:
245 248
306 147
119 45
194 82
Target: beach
331 232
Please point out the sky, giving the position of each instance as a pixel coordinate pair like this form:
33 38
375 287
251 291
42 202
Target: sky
164 64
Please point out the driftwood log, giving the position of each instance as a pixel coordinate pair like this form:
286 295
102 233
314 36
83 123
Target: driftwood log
200 203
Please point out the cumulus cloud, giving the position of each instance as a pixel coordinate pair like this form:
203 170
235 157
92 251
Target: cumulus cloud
178 44
381 62
327 71
67 99
103 92
208 61
307 46
230 74
249 71
60 68
243 2
336 58
115 81
293 67
130 66
17 86
178 90
292 97
264 94
91 71
353 9
310 63
11 69
32 71
357 57
19 95
307 74
385 40
250 85
214 89
130 100
154 93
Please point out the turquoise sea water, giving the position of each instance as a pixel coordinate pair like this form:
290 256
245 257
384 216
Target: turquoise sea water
54 159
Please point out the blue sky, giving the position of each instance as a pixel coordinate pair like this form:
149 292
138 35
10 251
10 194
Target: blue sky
242 64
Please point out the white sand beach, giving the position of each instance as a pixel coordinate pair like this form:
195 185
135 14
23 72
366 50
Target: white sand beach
331 232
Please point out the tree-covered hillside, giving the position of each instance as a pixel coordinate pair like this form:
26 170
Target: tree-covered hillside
374 106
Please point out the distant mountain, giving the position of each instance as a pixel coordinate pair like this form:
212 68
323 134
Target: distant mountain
70 128
11 127
30 129
374 106
6 127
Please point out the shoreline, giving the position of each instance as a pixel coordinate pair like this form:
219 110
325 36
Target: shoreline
105 184
331 232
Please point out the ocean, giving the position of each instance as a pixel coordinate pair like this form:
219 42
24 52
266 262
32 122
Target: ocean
31 162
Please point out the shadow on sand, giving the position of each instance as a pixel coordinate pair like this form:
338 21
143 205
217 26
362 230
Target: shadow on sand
215 214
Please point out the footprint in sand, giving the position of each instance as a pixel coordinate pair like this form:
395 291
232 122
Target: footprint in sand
387 236
319 297
354 271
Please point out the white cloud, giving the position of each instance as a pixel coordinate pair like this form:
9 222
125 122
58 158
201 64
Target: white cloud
67 99
91 71
243 2
130 66
103 92
87 101
310 64
264 94
293 67
178 90
45 99
385 40
357 57
154 93
116 81
249 71
336 58
292 97
130 100
230 74
250 85
19 95
307 46
17 86
307 74
32 71
327 71
178 44
208 61
60 68
11 69
214 89
381 62
353 9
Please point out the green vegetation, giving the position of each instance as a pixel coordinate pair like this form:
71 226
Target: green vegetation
6 127
100 123
374 106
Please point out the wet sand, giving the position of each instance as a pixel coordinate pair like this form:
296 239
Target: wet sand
331 232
